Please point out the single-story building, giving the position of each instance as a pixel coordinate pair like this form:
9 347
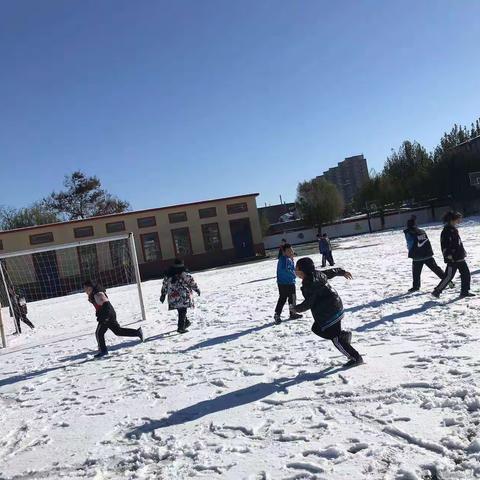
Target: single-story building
204 234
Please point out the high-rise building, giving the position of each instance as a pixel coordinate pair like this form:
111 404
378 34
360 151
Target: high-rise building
348 176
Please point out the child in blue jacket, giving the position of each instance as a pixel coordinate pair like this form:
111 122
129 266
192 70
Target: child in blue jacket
286 283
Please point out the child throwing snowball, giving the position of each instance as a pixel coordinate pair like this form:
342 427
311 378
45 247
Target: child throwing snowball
326 306
179 286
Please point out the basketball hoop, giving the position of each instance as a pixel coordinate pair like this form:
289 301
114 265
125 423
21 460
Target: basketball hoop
475 179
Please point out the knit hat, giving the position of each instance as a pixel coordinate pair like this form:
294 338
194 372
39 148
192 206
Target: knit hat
178 263
451 215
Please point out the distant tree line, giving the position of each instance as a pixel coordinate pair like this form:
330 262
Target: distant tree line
82 197
412 174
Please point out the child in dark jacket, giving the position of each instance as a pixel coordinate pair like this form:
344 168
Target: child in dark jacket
20 309
179 286
325 247
454 255
421 252
326 307
286 283
106 317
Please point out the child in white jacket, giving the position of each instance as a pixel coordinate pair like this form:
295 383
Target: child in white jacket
179 286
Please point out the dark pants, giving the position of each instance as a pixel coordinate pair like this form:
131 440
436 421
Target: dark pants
327 257
25 320
339 338
286 292
112 324
417 268
182 318
450 272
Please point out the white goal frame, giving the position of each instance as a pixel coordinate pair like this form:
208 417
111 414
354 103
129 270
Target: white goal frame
133 252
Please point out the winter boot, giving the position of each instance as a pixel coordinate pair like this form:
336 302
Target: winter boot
277 319
354 362
101 354
140 334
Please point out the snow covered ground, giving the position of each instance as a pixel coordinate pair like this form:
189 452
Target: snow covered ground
239 398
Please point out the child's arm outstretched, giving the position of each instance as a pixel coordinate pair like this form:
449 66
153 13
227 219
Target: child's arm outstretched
337 272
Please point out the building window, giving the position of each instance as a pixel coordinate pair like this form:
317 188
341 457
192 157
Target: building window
237 208
87 257
40 238
211 237
207 212
146 222
181 241
1 244
82 232
177 217
151 247
115 227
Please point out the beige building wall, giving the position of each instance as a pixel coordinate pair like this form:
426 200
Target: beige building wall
68 265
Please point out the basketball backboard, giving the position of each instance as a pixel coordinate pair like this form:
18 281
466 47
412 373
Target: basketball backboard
474 179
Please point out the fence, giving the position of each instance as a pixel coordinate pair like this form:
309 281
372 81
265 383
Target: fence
357 226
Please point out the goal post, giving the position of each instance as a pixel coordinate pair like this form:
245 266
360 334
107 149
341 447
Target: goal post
39 274
2 332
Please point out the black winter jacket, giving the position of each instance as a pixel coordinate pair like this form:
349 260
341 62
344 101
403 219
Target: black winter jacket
419 246
322 298
19 311
103 312
452 246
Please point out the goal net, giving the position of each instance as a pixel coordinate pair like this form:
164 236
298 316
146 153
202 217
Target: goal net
46 284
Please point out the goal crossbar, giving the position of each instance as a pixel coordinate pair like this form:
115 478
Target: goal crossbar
64 246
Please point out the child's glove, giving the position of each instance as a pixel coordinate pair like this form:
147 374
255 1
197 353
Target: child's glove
198 292
162 298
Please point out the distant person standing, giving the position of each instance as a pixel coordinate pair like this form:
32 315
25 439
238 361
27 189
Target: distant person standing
454 255
325 247
20 309
280 248
286 284
421 252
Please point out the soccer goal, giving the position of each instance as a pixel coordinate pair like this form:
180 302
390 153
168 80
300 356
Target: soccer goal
47 283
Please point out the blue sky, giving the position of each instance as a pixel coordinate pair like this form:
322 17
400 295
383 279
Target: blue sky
176 101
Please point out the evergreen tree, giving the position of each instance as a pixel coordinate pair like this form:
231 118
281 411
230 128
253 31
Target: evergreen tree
83 197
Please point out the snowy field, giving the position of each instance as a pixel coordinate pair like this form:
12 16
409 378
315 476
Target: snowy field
240 398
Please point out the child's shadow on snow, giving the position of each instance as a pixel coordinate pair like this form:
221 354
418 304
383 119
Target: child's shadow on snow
406 313
230 400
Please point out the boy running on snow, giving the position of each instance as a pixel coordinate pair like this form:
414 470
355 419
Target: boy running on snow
454 255
326 307
179 286
286 284
106 317
421 252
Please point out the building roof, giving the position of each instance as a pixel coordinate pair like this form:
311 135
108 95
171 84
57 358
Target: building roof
135 212
466 142
273 212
